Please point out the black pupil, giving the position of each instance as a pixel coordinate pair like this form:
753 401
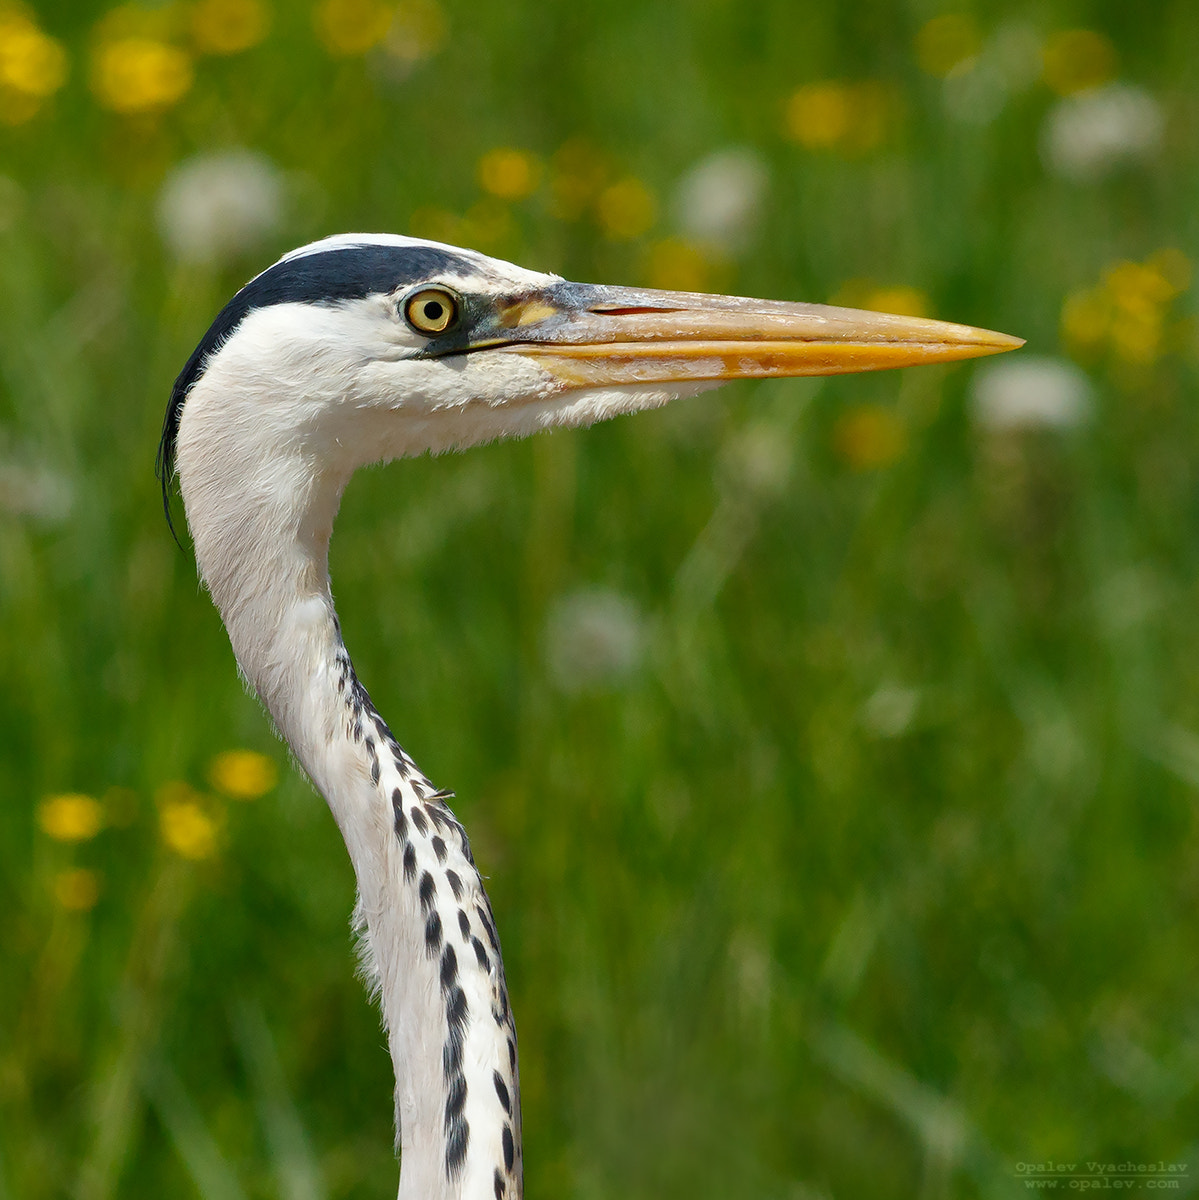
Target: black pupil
433 310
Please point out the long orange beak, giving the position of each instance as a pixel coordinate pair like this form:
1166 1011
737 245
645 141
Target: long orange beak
588 336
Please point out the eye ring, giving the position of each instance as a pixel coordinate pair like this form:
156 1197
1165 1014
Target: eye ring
432 310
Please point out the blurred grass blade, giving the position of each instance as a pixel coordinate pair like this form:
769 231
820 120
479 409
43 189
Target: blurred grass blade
1176 749
948 1139
296 1170
212 1175
117 1117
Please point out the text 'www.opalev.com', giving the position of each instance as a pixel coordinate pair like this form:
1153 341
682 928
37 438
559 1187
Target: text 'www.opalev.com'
1125 1176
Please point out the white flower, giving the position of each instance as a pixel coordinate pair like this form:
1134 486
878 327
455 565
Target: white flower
215 207
719 199
1089 135
27 490
1031 391
757 459
890 710
594 639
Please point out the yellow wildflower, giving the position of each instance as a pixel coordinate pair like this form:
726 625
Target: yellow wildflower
1140 295
31 63
184 823
1137 338
678 265
818 114
1086 319
349 27
139 74
418 30
508 173
1141 286
1174 267
229 26
626 210
869 437
947 43
905 301
243 774
1127 312
864 293
70 817
1076 59
77 890
832 114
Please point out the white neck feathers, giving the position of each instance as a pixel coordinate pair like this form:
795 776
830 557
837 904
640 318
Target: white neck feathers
260 512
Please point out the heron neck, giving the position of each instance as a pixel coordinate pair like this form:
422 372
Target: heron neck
429 942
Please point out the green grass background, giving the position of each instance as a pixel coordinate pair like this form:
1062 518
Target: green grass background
755 949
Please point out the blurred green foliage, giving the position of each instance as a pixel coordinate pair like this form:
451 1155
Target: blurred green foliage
869 867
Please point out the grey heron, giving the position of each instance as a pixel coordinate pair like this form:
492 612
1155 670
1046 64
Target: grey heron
363 348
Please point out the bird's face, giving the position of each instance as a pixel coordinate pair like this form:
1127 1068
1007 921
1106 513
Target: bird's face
376 347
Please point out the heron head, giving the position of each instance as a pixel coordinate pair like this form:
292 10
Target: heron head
366 347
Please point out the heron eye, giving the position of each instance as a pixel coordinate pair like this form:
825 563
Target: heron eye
432 310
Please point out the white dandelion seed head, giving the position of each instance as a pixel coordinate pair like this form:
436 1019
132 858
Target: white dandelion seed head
890 710
1030 392
38 492
213 208
719 199
1087 136
757 459
594 640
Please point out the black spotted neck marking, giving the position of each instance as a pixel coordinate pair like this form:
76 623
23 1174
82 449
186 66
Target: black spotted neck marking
422 820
